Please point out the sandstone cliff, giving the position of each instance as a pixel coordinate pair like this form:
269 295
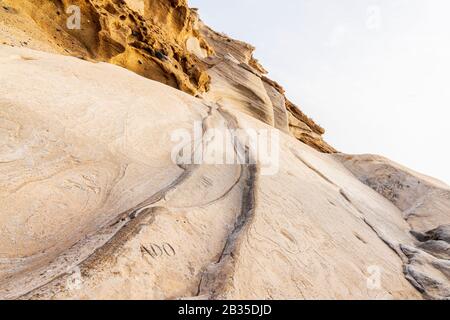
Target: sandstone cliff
161 40
94 207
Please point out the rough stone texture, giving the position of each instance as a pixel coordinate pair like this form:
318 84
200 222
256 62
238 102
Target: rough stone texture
87 185
425 205
238 80
164 41
151 43
94 207
424 201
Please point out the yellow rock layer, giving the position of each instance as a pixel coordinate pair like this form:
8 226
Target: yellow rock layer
162 40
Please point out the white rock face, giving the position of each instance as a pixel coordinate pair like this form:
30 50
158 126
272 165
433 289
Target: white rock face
193 46
425 205
93 207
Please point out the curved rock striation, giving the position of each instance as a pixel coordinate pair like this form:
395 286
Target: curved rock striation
119 32
161 40
112 185
425 206
94 207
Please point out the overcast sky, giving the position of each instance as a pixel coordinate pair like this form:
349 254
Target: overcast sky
374 73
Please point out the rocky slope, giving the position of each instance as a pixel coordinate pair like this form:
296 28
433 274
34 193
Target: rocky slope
424 203
161 40
94 207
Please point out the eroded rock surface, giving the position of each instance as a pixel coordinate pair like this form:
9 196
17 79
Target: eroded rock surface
95 207
164 41
150 42
425 205
88 185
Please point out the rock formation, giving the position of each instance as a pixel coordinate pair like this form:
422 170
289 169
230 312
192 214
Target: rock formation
161 40
95 207
424 203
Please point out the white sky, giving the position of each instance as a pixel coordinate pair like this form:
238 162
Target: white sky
374 73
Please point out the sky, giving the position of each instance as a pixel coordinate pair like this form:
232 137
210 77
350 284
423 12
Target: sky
374 73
